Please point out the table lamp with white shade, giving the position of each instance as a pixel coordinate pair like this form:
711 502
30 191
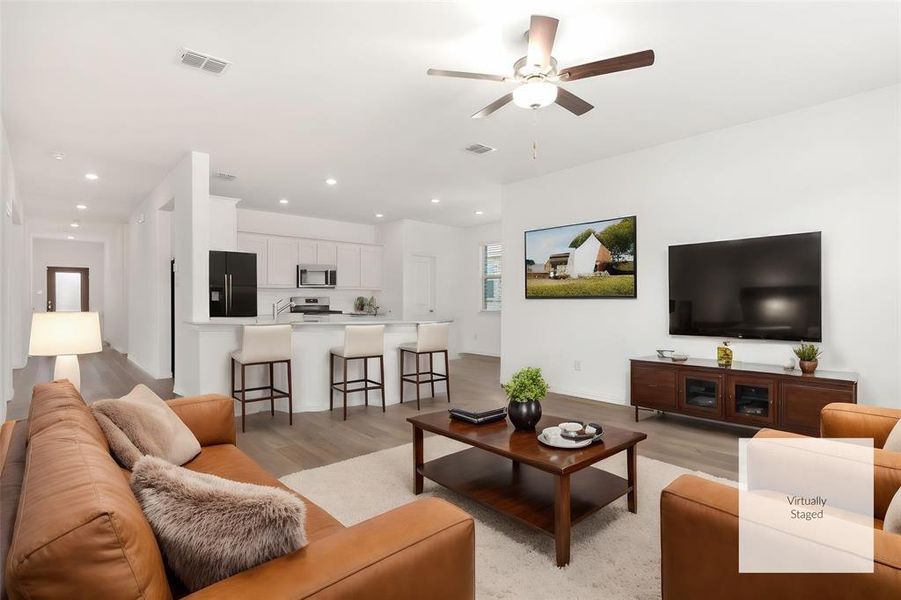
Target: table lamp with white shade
65 335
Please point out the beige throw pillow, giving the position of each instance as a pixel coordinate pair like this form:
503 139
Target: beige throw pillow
142 423
210 528
893 441
892 523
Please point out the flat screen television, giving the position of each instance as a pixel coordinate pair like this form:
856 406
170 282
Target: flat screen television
767 288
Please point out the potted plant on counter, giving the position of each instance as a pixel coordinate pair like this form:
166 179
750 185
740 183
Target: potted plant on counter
808 356
526 389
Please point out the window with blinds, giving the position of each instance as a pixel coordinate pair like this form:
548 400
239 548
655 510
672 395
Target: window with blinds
491 276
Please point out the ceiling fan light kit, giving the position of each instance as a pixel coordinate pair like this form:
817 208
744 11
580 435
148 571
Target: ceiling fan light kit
535 93
538 73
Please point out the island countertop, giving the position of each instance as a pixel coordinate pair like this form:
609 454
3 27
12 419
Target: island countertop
214 341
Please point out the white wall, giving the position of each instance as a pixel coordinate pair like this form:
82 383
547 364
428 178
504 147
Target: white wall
272 223
147 254
832 168
13 295
480 331
173 221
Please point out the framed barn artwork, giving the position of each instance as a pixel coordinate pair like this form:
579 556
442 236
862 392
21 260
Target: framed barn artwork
596 259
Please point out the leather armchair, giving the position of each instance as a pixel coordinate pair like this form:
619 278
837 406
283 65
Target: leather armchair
699 529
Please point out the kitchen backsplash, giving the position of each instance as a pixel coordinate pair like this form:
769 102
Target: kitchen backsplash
342 300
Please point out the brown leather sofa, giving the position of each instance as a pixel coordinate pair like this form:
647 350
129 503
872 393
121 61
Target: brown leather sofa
79 532
699 529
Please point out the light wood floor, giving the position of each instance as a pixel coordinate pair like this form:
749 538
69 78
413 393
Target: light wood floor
322 438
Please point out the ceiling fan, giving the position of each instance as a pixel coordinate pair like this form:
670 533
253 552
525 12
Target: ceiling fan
538 73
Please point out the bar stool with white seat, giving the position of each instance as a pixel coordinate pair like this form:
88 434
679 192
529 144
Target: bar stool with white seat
361 342
431 339
263 345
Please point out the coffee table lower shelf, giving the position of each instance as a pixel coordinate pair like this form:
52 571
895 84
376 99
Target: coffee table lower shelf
520 491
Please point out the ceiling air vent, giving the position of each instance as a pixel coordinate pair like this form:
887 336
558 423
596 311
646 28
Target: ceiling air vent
479 149
224 176
199 60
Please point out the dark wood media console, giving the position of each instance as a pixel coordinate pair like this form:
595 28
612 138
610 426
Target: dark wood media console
746 393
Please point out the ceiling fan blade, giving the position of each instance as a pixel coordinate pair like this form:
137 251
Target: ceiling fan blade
542 31
503 100
608 65
572 103
465 75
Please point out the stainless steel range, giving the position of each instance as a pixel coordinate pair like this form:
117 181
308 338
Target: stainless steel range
312 305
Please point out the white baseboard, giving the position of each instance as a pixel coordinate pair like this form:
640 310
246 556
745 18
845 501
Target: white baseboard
146 370
480 353
588 395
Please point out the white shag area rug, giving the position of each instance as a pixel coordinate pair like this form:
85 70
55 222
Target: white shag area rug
614 554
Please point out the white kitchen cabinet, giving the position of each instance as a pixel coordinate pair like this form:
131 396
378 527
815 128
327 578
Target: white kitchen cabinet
249 242
282 259
309 252
348 264
371 267
327 253
359 266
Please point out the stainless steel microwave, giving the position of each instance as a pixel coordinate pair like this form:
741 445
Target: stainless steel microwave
316 276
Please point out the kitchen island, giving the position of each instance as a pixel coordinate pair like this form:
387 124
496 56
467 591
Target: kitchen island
312 338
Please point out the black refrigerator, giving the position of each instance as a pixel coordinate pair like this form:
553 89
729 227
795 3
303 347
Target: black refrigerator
233 284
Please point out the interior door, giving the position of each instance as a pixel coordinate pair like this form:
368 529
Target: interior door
242 284
423 286
68 289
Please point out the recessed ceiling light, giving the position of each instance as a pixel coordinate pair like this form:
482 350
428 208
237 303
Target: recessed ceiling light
436 200
81 206
480 212
91 176
283 201
379 215
70 237
58 155
331 181
74 225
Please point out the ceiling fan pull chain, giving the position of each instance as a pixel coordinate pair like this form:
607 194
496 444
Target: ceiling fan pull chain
534 150
534 135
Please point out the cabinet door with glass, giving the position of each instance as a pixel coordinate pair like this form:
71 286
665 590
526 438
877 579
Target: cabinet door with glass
751 399
700 394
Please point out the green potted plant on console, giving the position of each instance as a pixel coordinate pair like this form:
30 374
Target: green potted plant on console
808 357
526 389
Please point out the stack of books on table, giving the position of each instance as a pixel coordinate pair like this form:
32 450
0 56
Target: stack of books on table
478 418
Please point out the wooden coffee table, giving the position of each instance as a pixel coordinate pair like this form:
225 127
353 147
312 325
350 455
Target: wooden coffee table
553 491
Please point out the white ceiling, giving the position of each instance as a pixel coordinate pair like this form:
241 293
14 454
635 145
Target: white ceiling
339 90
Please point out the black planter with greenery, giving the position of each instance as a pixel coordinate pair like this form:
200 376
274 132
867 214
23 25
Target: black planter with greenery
526 389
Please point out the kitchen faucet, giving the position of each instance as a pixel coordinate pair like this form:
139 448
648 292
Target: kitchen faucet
278 308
